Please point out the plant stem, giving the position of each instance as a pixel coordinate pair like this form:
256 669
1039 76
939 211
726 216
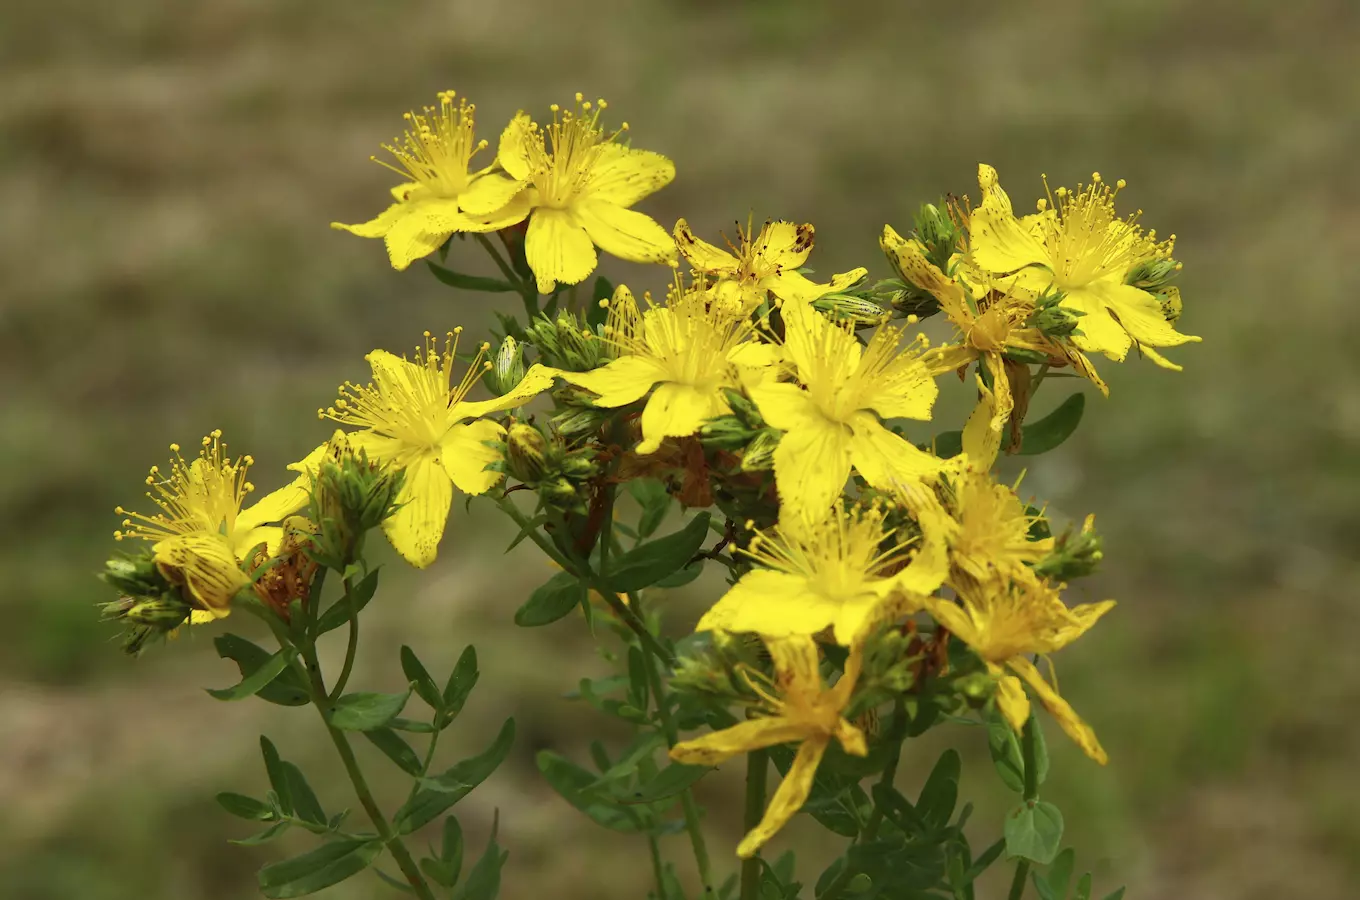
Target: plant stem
657 871
352 647
1038 379
757 762
528 293
316 691
1028 750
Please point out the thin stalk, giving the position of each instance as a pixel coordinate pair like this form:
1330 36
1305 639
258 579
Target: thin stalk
1028 750
316 691
757 763
527 292
1038 379
352 647
657 872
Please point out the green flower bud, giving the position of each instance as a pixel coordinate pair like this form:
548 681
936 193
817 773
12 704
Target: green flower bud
1152 274
759 455
526 453
938 233
580 346
137 576
1074 555
725 433
1052 319
576 421
350 496
507 369
851 308
743 409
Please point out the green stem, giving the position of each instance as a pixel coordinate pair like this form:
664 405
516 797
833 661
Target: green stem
657 872
1029 751
757 762
527 292
352 647
316 691
1038 379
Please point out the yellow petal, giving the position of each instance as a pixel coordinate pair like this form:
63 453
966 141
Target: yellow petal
1139 313
242 542
811 465
488 193
786 406
794 286
955 618
276 505
792 794
465 455
910 394
377 226
407 240
205 565
535 381
755 355
677 410
808 337
772 603
623 381
557 249
1082 617
512 213
701 254
753 734
797 664
884 458
910 256
1099 332
424 500
513 151
981 442
998 241
623 176
1003 403
785 244
1071 723
1011 700
624 233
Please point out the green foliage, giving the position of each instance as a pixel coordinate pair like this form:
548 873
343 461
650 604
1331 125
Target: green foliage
437 794
552 600
285 689
358 597
1054 428
364 711
471 282
321 868
653 561
1034 831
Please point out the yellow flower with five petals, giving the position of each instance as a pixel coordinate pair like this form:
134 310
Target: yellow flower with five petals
767 262
687 349
830 418
434 155
1076 244
798 707
413 417
579 182
1006 621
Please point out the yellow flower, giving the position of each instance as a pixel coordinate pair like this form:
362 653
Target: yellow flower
799 709
580 191
1004 622
833 425
688 350
1076 244
760 263
434 155
416 419
201 534
827 572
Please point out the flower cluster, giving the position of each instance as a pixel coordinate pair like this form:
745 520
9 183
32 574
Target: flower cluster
781 401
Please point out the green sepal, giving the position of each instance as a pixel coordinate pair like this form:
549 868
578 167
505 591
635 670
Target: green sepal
286 689
1034 831
327 865
552 600
437 794
648 563
364 710
470 282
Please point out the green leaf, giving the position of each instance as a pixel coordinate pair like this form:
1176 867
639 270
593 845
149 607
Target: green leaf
337 613
438 872
256 681
1040 751
278 778
411 726
305 805
1059 874
581 789
327 865
682 577
941 791
364 711
443 791
460 684
1054 428
396 749
484 881
286 689
244 807
419 677
669 782
451 846
263 837
651 495
1116 894
470 282
1006 757
1034 831
551 601
1083 888
948 443
645 565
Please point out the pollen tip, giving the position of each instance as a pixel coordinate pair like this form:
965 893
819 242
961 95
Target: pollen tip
174 448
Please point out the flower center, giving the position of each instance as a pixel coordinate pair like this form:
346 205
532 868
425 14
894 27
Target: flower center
841 556
1087 242
204 495
690 337
436 150
561 172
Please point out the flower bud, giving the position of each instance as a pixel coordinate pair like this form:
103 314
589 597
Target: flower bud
1052 319
759 455
725 433
938 233
580 347
1152 274
575 421
351 495
507 369
526 453
137 576
746 412
851 308
1073 555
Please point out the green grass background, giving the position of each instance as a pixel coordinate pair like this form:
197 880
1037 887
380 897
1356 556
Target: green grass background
167 173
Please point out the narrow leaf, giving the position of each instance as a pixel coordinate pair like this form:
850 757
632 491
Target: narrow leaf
396 749
484 881
451 846
327 865
441 792
278 778
470 282
419 677
1054 428
649 563
1006 757
337 613
460 683
263 837
941 791
669 782
256 681
364 711
286 689
305 805
244 807
551 601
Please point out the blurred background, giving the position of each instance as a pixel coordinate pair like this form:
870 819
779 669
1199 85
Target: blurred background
167 173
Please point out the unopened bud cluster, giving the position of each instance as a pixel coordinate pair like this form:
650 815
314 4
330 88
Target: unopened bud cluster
539 458
1075 555
351 495
150 605
568 343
